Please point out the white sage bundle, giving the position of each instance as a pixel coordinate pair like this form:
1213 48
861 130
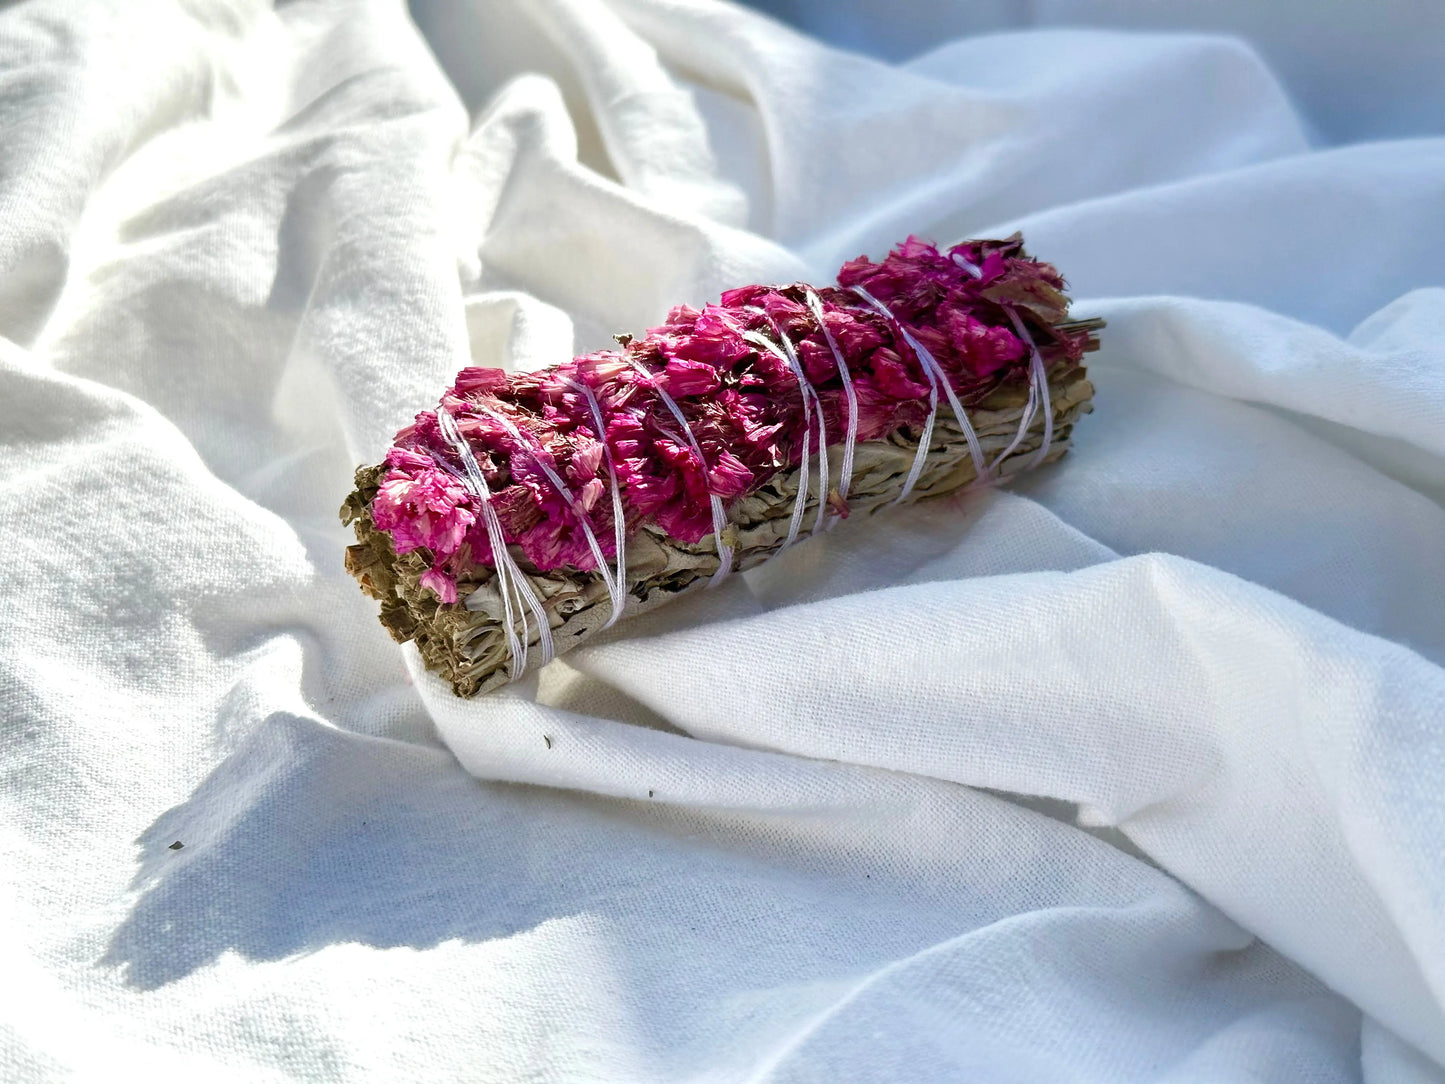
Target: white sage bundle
530 511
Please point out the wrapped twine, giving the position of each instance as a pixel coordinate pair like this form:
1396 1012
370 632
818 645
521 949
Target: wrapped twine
529 511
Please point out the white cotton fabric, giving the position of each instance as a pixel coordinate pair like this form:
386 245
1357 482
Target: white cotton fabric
1134 772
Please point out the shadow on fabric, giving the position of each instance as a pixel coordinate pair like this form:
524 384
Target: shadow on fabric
306 836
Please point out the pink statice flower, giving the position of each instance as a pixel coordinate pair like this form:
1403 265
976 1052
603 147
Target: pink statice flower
443 585
742 405
421 505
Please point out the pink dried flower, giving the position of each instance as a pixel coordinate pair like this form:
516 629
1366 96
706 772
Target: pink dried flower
743 405
444 586
421 505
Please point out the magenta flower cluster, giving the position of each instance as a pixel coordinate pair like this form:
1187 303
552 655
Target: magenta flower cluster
742 403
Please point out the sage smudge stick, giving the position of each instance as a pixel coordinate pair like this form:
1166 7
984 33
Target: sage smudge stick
530 510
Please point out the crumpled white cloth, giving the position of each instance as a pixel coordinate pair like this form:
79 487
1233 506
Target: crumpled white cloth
1134 772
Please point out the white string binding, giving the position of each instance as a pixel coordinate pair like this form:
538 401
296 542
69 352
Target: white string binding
619 521
967 264
800 501
534 449
509 575
719 516
1038 381
936 377
850 441
1038 378
1026 419
789 356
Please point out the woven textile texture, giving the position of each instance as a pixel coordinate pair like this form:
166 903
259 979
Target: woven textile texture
1133 771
